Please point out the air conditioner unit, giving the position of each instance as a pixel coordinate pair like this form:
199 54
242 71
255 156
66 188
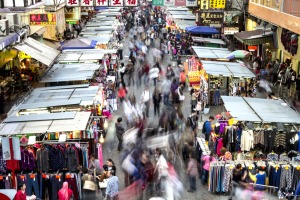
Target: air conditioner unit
4 27
13 20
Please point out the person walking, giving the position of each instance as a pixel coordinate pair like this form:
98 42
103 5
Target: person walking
112 188
156 97
165 89
154 73
130 69
146 100
119 132
181 98
206 130
192 171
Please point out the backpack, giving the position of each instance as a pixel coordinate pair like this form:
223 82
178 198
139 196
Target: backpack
203 128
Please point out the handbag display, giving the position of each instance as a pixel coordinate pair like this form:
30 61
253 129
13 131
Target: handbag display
103 184
89 185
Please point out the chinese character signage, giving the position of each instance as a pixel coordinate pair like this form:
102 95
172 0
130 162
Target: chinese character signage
72 3
42 19
231 30
169 3
212 19
87 3
101 3
132 2
116 3
158 2
180 2
191 3
220 4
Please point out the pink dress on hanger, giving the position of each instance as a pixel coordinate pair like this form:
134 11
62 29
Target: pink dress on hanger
219 146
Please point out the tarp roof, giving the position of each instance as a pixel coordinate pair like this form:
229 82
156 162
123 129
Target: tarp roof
70 72
267 110
78 122
211 52
190 17
233 69
208 40
78 56
182 24
203 30
38 51
79 43
178 8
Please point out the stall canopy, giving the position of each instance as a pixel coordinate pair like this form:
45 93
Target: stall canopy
239 109
100 39
98 24
57 96
208 40
203 30
70 72
255 37
232 69
190 17
177 8
100 28
79 43
78 122
182 24
265 110
80 56
210 52
38 51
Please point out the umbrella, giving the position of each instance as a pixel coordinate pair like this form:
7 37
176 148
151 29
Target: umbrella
238 54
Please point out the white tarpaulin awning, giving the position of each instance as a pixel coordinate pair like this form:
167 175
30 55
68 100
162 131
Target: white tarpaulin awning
239 109
79 56
188 17
38 51
208 40
40 117
211 52
182 24
177 8
270 110
233 69
70 72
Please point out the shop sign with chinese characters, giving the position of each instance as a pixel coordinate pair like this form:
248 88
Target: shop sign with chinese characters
112 3
231 30
116 3
87 3
101 3
42 19
212 19
131 2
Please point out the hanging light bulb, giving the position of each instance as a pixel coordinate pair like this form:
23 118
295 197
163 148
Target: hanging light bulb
101 140
105 125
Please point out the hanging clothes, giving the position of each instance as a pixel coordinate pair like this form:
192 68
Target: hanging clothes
247 140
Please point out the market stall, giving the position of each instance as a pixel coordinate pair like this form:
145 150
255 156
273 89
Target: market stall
70 74
225 78
211 53
79 43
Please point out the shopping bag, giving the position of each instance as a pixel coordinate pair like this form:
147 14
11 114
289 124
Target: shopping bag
103 184
89 185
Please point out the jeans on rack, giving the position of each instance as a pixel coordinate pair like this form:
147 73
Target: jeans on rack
32 182
8 183
296 179
57 183
21 179
2 183
46 186
72 182
286 178
274 178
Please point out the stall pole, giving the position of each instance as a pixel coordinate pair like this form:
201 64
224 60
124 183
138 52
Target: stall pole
12 159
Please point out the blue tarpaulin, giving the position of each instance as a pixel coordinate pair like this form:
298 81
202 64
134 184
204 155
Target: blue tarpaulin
79 44
201 30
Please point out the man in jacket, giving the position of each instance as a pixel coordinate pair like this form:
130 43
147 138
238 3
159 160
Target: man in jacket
119 132
207 128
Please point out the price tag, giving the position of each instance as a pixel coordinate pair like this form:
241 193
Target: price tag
298 168
32 176
44 175
276 168
287 167
250 167
68 175
1 177
22 177
231 167
57 176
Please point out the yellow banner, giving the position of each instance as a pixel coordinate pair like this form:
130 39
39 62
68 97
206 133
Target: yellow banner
23 55
194 77
43 23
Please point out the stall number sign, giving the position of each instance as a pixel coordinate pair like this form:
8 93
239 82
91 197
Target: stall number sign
23 55
231 30
158 2
212 19
42 19
220 4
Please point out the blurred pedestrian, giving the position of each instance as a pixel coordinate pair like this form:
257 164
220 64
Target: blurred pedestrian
145 98
192 171
206 160
119 132
156 97
65 193
112 188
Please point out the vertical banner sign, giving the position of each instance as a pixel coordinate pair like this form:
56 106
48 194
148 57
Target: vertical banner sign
87 3
101 3
131 2
191 3
70 3
180 2
169 3
158 2
116 3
